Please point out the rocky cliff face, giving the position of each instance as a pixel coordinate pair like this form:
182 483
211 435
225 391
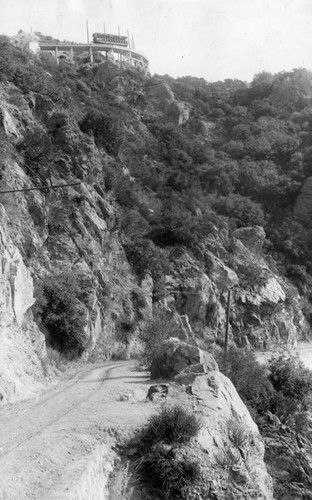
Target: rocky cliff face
23 359
229 447
265 309
124 230
78 228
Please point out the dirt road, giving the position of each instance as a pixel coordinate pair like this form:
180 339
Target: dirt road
303 349
45 441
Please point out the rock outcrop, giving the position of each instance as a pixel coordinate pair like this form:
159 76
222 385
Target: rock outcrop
261 313
288 458
163 100
80 228
231 439
229 446
176 356
23 359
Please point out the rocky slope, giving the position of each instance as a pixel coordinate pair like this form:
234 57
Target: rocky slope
23 358
82 229
141 229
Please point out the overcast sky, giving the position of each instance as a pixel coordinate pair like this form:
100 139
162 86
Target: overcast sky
214 39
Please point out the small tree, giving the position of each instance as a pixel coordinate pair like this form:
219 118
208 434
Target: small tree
160 328
289 376
62 312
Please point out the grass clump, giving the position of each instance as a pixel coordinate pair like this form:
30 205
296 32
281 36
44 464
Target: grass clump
237 432
164 472
172 426
159 464
119 487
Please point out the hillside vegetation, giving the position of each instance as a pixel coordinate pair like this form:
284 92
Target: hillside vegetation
178 179
187 189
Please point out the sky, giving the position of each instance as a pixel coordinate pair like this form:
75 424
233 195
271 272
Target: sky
213 39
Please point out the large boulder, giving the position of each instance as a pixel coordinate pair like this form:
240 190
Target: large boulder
229 447
219 273
176 356
231 440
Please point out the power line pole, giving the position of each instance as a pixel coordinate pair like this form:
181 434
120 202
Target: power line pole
88 40
227 325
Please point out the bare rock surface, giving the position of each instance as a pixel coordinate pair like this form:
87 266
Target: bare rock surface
23 351
231 439
176 356
229 447
252 237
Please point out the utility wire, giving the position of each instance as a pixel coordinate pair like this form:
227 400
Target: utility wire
43 187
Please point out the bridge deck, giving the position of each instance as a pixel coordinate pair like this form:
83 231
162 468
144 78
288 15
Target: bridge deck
96 47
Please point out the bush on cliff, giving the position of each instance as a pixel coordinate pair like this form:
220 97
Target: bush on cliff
243 210
172 425
158 329
249 378
146 257
290 378
106 129
63 314
283 387
161 470
158 466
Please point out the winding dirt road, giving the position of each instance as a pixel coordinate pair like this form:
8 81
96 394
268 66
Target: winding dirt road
44 441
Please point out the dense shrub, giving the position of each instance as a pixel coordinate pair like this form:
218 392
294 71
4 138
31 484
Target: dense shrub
158 465
175 225
299 276
158 329
146 257
249 377
36 147
283 387
124 191
133 225
289 376
63 314
106 129
243 210
170 476
172 425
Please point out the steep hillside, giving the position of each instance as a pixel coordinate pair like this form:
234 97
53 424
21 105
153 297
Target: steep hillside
156 201
166 212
